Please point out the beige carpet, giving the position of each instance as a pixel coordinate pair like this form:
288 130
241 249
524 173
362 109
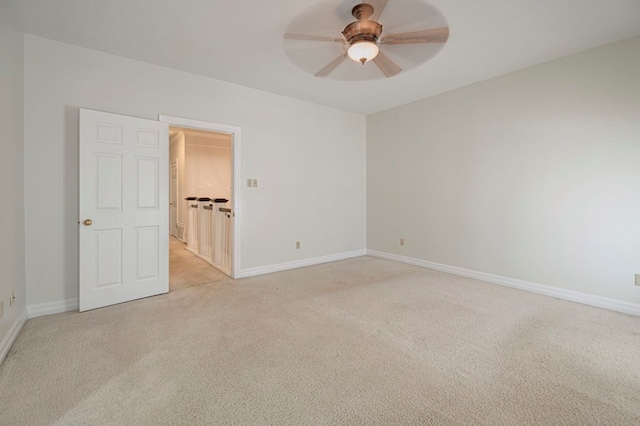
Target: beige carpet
362 341
186 269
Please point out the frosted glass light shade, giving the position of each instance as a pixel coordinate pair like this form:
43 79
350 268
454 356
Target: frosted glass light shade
363 51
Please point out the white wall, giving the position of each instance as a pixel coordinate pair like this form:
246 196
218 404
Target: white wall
177 145
208 171
534 175
310 159
12 237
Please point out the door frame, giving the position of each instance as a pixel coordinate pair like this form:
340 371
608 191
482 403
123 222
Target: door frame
236 136
173 227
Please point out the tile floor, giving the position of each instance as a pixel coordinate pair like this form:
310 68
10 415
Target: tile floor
187 269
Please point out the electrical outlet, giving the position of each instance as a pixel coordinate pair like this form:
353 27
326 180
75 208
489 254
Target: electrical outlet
12 299
401 241
297 245
638 280
255 183
249 183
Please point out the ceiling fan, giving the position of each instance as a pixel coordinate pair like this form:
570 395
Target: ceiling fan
362 40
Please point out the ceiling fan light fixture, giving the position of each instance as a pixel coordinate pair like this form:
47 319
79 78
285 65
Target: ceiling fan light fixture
363 51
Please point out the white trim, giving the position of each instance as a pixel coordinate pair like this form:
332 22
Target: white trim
259 270
12 335
184 232
236 132
171 163
42 309
559 293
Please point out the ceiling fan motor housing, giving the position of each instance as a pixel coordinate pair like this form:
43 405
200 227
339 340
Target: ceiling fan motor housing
363 29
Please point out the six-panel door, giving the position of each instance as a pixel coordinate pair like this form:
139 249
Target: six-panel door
124 209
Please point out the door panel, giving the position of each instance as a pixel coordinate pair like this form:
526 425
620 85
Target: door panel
147 240
146 183
147 138
108 257
124 195
108 177
108 133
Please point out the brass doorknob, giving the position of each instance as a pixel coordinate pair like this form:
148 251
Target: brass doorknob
88 222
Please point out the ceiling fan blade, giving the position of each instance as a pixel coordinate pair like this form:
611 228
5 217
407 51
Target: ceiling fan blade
313 38
377 10
386 65
436 35
332 66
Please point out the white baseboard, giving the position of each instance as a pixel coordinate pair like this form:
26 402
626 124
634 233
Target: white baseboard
51 308
560 293
250 272
181 231
12 335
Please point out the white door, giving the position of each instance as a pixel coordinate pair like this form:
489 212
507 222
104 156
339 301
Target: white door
173 199
124 246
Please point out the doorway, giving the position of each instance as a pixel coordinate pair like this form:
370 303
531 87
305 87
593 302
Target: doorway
200 191
204 196
124 205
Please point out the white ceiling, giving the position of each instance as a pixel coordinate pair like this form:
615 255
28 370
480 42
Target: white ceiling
241 41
